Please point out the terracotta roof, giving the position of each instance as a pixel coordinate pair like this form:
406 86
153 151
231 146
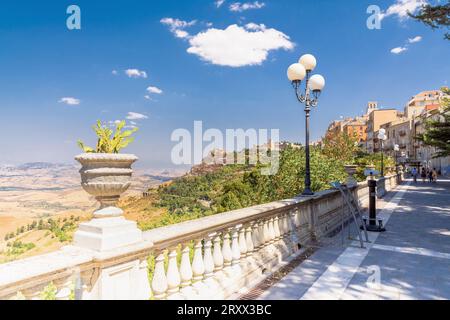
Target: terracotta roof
432 107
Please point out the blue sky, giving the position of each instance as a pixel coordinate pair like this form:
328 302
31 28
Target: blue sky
42 62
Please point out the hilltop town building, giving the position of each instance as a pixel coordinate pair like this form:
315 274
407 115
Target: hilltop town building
401 129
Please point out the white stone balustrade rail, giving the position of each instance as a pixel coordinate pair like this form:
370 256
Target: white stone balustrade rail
215 257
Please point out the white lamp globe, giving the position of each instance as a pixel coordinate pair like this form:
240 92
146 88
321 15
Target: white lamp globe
381 136
296 72
382 131
396 147
317 82
308 61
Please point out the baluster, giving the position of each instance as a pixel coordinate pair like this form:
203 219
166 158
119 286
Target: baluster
144 291
235 249
217 255
242 243
293 233
252 266
186 272
235 262
249 240
271 231
173 275
285 237
266 235
34 293
198 266
211 283
243 249
226 276
208 257
198 269
256 237
159 282
281 225
286 227
64 289
297 219
276 228
282 238
227 253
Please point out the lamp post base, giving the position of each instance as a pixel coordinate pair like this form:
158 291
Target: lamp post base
307 193
375 228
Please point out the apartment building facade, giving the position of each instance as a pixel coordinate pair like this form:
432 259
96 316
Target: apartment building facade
401 129
377 118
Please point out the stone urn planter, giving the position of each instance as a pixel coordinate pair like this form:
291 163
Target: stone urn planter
106 176
350 169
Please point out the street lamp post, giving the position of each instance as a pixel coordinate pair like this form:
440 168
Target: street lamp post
382 137
396 150
313 87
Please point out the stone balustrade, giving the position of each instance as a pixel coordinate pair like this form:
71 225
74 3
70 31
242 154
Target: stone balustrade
216 257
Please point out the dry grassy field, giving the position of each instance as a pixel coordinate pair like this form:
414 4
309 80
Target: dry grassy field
41 191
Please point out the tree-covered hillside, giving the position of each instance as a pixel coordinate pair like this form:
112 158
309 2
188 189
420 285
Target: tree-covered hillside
233 187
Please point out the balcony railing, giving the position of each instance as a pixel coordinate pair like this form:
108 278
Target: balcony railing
216 257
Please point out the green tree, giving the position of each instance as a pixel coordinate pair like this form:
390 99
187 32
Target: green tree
437 132
341 147
435 16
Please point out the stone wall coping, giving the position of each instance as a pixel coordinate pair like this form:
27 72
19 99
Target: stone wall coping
63 259
166 236
67 258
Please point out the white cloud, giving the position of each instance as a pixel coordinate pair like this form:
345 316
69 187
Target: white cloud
177 26
239 7
238 46
398 50
136 116
181 34
177 23
114 123
410 42
135 73
401 8
415 39
155 90
255 27
70 101
114 72
219 3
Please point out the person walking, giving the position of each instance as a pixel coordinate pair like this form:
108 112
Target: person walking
414 174
423 175
430 175
434 175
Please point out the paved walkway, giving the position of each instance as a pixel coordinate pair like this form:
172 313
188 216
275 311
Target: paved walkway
409 261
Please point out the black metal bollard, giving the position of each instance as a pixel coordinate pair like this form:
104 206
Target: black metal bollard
373 226
372 202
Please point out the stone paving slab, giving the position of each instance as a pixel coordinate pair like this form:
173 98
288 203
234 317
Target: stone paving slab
411 260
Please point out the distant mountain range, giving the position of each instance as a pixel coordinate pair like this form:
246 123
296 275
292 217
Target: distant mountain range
46 176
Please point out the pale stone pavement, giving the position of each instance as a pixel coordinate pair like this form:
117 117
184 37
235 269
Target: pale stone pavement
409 261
